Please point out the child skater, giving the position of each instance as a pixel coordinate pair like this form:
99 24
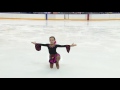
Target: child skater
54 56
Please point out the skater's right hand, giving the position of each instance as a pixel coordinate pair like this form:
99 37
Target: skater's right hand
33 42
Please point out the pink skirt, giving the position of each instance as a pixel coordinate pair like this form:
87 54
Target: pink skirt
53 58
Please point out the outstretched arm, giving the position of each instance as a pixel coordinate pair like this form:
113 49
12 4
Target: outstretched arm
40 44
66 45
61 45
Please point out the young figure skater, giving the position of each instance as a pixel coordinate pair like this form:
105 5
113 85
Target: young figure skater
54 56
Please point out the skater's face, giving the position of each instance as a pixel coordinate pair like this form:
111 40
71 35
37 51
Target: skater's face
52 40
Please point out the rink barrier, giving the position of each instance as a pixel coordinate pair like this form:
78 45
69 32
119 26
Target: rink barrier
23 18
73 17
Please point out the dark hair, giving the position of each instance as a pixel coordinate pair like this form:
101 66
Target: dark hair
52 37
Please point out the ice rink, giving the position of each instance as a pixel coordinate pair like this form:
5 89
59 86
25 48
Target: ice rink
97 54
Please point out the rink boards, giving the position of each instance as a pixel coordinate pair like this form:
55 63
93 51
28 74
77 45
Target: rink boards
81 17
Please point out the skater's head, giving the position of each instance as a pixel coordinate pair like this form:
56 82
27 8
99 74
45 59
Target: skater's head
52 40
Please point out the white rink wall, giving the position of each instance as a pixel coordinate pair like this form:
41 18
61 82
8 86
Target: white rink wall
60 16
104 17
21 16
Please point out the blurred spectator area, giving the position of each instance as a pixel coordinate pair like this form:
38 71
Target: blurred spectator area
64 12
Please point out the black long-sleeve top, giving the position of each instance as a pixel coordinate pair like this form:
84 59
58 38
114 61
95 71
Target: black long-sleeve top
52 50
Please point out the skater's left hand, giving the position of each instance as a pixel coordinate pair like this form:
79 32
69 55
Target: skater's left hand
73 45
33 42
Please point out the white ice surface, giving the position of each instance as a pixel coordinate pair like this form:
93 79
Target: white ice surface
97 54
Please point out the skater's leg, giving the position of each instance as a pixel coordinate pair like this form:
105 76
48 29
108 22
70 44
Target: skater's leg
51 65
57 62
